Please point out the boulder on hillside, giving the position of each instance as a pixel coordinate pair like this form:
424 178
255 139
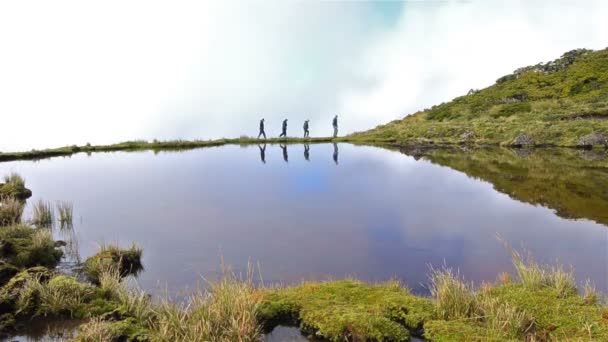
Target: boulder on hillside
593 139
523 139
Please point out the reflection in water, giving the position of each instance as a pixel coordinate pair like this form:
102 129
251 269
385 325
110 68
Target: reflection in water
48 330
262 153
574 183
67 234
336 153
285 156
307 152
375 217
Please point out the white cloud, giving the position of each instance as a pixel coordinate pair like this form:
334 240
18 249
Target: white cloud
76 71
440 50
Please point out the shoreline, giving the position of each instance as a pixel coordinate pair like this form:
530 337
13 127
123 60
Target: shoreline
177 145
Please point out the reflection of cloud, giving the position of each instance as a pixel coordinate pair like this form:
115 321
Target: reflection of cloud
77 72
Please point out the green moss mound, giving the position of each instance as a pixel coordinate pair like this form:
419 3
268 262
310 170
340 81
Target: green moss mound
14 186
562 103
348 310
125 261
25 246
553 317
15 297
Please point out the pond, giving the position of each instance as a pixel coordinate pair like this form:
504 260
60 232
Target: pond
329 211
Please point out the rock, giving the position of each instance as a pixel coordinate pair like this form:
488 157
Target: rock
593 139
60 243
523 139
468 135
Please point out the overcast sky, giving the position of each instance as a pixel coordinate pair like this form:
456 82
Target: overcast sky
73 72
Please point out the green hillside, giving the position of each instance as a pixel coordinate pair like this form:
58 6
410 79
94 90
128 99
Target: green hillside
563 103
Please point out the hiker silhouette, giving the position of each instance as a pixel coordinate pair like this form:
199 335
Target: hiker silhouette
307 152
284 129
334 123
262 132
306 132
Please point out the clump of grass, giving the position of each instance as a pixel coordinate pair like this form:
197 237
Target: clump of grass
228 312
25 246
43 214
97 330
533 275
454 299
14 180
65 210
127 261
14 186
502 316
60 296
11 210
590 294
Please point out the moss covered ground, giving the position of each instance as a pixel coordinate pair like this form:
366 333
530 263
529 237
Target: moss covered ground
557 103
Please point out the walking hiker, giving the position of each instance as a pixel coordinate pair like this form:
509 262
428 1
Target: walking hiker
262 129
284 129
306 132
335 124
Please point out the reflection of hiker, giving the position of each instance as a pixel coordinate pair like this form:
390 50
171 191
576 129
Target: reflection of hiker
263 153
285 157
335 124
306 132
307 152
262 130
284 129
336 153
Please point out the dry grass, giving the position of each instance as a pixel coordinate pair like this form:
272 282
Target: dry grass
11 210
227 312
533 275
97 330
454 299
503 317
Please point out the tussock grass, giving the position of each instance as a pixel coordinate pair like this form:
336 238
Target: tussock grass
227 312
11 210
127 261
98 330
14 180
533 275
65 210
454 298
42 214
61 295
502 316
590 294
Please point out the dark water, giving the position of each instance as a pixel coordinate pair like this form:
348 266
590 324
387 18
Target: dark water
366 212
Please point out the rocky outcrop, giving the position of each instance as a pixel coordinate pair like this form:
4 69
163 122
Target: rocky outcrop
593 139
523 139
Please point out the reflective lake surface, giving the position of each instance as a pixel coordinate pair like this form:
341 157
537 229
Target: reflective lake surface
327 212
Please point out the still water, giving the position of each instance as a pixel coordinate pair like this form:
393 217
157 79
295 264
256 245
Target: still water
328 211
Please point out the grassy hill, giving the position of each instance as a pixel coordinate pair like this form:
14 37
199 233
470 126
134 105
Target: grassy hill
562 103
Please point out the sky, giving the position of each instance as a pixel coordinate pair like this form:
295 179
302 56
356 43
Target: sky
77 72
